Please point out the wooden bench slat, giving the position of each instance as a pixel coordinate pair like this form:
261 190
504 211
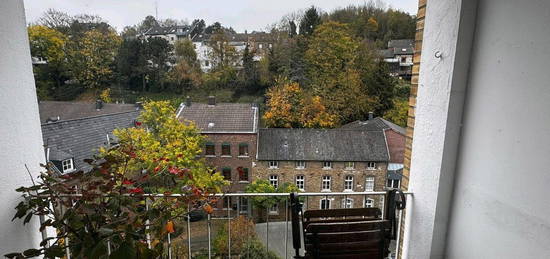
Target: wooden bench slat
344 237
367 212
326 227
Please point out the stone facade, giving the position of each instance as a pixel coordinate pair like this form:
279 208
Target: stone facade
313 177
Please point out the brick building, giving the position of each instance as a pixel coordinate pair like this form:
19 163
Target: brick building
336 160
231 130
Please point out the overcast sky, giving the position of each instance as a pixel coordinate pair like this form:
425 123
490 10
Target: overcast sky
240 14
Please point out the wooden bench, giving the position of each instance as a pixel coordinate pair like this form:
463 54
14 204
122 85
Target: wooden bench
344 233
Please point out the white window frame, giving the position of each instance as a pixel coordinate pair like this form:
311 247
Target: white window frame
273 164
369 187
371 165
326 201
327 165
67 165
326 179
390 186
274 209
370 203
301 182
274 180
349 165
300 164
346 202
348 183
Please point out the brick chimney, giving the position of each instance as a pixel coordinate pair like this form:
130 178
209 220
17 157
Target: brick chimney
187 101
211 100
371 115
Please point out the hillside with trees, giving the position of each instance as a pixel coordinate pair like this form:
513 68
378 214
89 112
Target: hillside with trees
330 59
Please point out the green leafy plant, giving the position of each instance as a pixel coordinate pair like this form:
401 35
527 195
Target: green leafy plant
107 207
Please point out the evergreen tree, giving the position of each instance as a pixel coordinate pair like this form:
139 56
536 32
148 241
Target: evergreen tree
310 21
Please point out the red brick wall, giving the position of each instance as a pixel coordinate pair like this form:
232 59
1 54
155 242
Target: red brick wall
234 161
396 145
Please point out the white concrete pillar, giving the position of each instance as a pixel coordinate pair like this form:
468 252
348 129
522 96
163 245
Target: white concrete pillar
448 34
20 135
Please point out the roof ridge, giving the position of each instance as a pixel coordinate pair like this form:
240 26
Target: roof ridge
89 117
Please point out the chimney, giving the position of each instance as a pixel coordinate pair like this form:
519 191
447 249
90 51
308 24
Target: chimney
371 115
211 100
138 105
187 101
98 104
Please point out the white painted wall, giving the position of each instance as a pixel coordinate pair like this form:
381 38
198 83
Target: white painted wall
501 206
482 133
20 135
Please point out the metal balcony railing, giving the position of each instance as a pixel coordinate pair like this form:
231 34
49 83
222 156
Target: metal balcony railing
230 212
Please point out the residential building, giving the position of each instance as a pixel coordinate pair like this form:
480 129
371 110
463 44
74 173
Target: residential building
169 33
320 160
68 142
399 57
395 138
258 42
231 131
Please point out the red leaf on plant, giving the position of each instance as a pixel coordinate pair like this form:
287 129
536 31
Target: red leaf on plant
126 182
174 170
138 123
136 190
157 169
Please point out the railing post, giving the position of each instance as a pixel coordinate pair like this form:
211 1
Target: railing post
169 246
267 232
147 222
208 226
188 231
398 238
229 228
286 228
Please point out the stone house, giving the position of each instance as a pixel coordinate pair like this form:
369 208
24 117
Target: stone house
324 161
231 131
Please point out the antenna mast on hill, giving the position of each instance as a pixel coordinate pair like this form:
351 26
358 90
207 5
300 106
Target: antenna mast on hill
157 10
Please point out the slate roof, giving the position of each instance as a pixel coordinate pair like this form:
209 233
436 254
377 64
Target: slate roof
158 30
398 47
81 138
322 145
75 110
222 117
375 124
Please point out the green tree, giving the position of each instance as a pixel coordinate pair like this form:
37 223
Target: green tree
132 64
221 53
49 45
263 186
92 58
399 113
160 59
333 75
310 21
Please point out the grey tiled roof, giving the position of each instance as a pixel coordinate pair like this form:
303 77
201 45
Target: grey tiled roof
375 124
158 30
81 138
75 110
322 145
222 117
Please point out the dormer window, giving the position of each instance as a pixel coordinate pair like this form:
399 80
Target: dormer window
350 165
67 165
273 164
371 166
327 165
